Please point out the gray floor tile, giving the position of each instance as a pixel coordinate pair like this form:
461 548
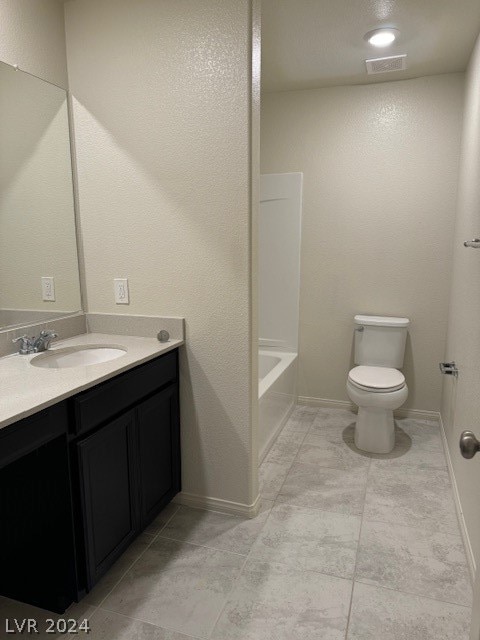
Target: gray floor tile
283 451
178 586
411 496
121 566
336 434
271 477
304 410
332 448
217 530
327 418
417 444
162 519
275 602
296 584
309 539
337 490
423 433
106 625
301 420
381 614
10 609
292 436
414 560
405 453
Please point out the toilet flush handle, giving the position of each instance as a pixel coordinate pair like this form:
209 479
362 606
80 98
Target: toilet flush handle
359 328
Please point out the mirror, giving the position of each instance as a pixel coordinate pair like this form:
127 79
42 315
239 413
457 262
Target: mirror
39 277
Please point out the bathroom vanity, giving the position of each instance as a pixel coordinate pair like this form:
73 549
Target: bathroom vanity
82 477
89 430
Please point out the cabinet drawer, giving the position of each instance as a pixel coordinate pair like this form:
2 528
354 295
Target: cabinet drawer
98 405
31 433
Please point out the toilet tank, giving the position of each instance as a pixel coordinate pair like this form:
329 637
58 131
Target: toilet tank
380 341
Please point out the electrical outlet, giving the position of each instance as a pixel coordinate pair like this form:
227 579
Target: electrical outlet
120 287
48 289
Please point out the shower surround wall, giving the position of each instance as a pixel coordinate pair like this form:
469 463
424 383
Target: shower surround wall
380 169
165 122
279 231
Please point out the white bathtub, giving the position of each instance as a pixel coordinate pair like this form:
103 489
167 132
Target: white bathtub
277 388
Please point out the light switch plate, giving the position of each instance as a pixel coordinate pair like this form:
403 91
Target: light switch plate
48 289
120 287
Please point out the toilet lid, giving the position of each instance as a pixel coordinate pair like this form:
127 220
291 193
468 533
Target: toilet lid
377 378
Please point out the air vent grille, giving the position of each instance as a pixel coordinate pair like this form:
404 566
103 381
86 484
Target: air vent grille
384 65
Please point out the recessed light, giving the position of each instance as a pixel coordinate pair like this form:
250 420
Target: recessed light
381 37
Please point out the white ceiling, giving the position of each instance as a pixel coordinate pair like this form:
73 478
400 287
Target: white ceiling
318 43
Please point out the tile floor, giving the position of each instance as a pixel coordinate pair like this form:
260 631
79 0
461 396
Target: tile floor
346 546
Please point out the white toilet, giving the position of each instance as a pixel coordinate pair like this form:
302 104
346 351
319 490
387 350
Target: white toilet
376 385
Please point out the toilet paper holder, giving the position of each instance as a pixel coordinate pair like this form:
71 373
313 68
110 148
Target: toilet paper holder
449 368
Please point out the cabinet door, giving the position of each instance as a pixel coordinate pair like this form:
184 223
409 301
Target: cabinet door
37 554
158 451
107 488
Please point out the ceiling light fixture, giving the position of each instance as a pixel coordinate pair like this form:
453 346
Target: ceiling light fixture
381 37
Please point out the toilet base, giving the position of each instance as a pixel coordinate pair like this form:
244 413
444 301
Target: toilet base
375 430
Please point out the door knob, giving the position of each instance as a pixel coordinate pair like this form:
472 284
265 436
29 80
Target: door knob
472 244
469 445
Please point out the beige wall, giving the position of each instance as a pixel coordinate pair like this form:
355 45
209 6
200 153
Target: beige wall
461 398
32 36
380 175
37 222
162 115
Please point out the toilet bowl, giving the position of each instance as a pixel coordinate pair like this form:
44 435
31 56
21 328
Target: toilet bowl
377 386
377 391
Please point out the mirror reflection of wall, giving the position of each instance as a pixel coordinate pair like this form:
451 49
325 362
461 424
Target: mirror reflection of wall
37 223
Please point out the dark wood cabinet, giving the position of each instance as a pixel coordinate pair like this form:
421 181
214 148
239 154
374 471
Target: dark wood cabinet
158 452
80 480
125 436
37 552
106 463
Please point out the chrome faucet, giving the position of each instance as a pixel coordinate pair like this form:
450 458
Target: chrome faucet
35 345
42 343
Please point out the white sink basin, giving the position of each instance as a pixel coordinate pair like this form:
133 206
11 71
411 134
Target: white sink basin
83 356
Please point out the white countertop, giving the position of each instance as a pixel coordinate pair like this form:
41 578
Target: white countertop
26 389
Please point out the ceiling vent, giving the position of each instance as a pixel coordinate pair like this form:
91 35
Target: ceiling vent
384 65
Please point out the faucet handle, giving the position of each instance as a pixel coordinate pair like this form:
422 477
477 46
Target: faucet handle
26 344
46 333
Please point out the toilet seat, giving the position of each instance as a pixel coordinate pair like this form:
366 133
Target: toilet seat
376 379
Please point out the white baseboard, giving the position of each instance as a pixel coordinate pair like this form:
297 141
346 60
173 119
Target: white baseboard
418 414
275 434
458 505
325 403
345 404
217 504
